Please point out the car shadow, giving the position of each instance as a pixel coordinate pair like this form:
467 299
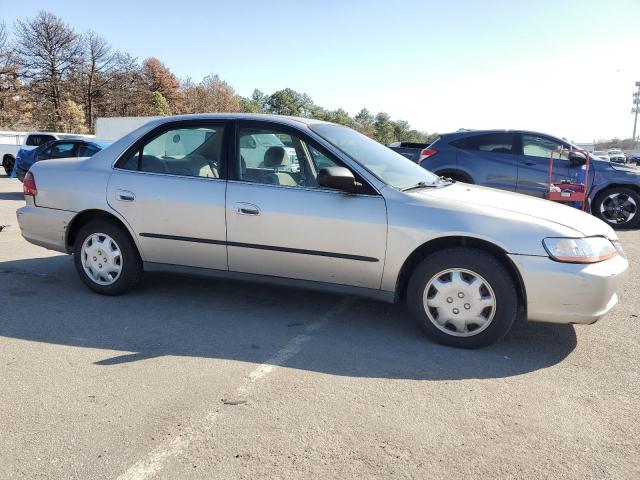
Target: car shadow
43 300
11 196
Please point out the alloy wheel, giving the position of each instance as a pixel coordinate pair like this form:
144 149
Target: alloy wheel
618 208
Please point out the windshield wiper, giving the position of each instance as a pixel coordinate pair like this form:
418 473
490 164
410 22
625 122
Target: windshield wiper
418 185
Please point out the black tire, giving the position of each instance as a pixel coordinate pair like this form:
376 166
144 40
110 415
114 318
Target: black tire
626 196
491 270
131 264
7 163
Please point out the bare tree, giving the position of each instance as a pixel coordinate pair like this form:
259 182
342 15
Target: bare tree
98 62
160 79
127 93
47 49
14 107
211 95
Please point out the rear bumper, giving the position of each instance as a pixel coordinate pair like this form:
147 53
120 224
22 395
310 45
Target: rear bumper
45 227
569 293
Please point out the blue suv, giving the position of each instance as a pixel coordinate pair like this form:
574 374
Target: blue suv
518 161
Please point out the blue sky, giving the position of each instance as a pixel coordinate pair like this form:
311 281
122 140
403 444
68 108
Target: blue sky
564 67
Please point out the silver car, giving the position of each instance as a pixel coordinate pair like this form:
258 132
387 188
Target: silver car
353 216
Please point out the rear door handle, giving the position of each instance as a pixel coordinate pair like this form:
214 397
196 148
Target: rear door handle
125 195
243 208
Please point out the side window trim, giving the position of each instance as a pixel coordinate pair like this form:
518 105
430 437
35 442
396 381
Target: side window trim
234 156
138 146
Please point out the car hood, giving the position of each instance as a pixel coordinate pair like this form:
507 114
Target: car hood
499 200
620 168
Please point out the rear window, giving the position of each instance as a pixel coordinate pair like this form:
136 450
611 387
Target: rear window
35 140
413 145
490 142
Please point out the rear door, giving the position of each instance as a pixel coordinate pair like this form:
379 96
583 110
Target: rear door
281 222
170 188
490 158
533 169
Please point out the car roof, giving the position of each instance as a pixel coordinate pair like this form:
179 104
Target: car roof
468 132
282 119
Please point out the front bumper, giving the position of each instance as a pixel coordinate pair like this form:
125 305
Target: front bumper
570 293
45 227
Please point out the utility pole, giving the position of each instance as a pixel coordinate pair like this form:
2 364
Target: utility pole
636 109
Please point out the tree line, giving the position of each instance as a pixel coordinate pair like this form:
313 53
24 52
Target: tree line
53 78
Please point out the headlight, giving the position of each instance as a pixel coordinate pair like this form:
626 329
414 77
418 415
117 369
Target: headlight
580 250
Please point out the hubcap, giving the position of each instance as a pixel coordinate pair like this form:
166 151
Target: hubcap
618 208
101 259
459 302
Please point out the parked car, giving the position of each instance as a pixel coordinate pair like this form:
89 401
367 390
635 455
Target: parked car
29 141
518 161
634 158
616 155
355 218
410 150
68 148
602 155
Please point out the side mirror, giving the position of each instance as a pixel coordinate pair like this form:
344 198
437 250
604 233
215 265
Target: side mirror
339 178
577 158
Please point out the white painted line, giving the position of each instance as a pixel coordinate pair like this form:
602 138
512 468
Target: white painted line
147 468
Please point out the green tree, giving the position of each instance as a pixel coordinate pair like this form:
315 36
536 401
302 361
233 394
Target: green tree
160 104
384 129
257 103
290 102
364 123
340 117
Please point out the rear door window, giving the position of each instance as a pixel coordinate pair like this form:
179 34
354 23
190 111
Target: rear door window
87 150
61 150
490 142
191 151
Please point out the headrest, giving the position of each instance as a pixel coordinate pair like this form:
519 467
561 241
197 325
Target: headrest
275 157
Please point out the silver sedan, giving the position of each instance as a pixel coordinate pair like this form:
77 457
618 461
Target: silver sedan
313 204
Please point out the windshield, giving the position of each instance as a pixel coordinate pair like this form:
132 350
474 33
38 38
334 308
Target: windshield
389 166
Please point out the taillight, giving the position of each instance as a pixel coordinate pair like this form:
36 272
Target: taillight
29 185
426 153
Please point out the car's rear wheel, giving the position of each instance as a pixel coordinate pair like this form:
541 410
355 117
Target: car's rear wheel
463 297
618 207
7 163
106 258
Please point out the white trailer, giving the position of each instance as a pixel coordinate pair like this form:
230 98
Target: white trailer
113 128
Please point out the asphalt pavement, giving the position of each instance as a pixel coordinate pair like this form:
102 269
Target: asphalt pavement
199 378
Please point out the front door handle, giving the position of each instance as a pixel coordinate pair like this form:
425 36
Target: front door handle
243 208
125 195
529 163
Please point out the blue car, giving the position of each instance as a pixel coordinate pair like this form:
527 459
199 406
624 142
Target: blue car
67 148
518 161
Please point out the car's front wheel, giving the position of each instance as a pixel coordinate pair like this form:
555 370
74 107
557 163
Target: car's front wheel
618 207
463 297
106 258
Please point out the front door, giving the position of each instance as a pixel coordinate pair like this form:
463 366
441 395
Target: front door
533 169
280 222
170 189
